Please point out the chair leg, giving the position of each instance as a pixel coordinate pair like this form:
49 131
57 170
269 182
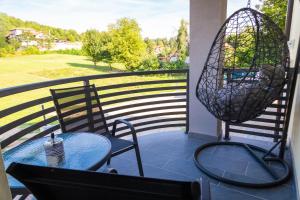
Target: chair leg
108 161
139 161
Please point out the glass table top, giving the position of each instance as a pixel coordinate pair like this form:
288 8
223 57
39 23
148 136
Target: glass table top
81 151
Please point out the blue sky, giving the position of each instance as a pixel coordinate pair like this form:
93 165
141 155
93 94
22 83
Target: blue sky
157 18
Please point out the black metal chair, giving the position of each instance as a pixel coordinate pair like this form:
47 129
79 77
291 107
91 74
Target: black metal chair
48 183
79 110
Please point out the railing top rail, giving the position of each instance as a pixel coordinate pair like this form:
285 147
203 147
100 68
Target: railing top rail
32 86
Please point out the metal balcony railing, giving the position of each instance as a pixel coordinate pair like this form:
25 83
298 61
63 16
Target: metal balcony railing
157 101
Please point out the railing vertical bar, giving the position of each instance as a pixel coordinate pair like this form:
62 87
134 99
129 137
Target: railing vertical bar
187 128
86 82
226 131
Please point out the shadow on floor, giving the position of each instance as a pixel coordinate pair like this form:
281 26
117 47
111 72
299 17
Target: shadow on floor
96 68
169 155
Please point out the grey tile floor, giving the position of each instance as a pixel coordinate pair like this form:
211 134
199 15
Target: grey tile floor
169 155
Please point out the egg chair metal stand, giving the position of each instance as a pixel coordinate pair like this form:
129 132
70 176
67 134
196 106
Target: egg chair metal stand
246 70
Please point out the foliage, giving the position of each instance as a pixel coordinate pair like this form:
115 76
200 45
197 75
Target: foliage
93 44
36 68
165 48
27 37
179 64
77 52
127 45
14 43
276 10
8 50
7 23
150 46
31 50
240 49
3 41
182 40
149 63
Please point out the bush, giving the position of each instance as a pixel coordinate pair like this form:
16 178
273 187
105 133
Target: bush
149 63
77 52
30 51
179 64
7 51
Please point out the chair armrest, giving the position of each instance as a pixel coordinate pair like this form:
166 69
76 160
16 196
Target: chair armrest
205 189
123 121
110 171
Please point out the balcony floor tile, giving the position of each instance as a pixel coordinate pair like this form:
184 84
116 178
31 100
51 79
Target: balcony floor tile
169 155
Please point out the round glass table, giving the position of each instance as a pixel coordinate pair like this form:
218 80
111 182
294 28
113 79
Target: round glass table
81 151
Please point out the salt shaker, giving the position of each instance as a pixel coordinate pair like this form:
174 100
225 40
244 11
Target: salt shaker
54 151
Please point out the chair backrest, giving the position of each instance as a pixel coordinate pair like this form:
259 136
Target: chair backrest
79 109
48 183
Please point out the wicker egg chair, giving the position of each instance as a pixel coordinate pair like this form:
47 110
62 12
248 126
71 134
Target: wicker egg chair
245 67
245 71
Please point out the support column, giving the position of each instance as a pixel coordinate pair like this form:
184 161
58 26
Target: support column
5 191
206 17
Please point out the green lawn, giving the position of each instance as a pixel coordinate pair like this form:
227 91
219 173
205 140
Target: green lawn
36 68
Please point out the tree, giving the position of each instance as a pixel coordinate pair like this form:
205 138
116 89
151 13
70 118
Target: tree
97 46
14 44
106 47
182 40
92 45
128 46
276 10
3 41
150 46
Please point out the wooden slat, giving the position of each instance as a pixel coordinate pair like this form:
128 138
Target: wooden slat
66 94
139 130
105 103
160 109
267 120
255 126
27 130
155 115
148 103
72 103
17 108
139 83
273 113
25 119
153 122
126 92
254 133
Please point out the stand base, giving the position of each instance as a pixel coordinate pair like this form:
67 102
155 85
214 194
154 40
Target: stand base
278 180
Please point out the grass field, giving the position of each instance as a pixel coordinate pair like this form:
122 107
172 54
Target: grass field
36 68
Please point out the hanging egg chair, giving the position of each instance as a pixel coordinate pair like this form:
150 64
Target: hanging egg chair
245 72
245 68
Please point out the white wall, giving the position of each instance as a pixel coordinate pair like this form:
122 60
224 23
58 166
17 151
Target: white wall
206 17
4 189
294 128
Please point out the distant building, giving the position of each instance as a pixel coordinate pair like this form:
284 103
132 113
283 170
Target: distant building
37 38
32 39
158 50
63 45
18 32
173 58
